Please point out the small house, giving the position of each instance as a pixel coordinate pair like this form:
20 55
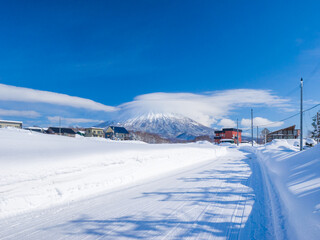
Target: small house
117 133
94 132
61 131
35 129
6 123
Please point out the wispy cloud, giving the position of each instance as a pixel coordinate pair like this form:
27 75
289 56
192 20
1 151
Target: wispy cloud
17 113
259 121
207 108
67 121
227 123
19 94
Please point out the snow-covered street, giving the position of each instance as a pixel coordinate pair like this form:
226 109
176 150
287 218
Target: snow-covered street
55 187
210 200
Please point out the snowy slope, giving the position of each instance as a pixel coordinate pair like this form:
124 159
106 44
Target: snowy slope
296 178
165 124
39 170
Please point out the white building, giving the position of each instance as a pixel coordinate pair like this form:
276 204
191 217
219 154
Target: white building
6 123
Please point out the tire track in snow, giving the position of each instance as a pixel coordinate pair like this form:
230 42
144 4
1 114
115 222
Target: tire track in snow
202 202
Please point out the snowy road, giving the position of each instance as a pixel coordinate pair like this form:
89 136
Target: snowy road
219 199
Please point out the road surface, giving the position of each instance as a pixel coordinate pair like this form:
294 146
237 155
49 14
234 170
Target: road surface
224 198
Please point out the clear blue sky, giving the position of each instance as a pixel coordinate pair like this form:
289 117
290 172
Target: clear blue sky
112 51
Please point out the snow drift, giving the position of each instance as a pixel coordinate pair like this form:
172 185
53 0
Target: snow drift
38 170
296 177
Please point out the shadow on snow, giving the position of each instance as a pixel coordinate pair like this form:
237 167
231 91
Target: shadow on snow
230 198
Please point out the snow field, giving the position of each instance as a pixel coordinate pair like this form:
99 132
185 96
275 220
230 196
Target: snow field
296 177
38 171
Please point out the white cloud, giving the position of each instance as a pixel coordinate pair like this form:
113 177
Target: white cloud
67 121
246 134
205 108
227 123
16 113
12 93
259 121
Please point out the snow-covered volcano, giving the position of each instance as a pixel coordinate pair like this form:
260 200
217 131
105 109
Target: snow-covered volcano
165 124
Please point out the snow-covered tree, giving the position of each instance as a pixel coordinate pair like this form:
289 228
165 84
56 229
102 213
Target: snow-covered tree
315 133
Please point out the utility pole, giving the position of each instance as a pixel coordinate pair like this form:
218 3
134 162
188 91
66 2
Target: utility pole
265 138
251 126
257 134
59 125
301 115
237 133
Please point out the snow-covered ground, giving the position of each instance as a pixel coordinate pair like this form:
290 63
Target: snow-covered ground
214 199
55 187
295 177
39 170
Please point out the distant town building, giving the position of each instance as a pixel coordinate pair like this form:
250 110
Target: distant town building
94 132
264 134
7 123
80 132
61 131
227 133
35 129
285 133
117 133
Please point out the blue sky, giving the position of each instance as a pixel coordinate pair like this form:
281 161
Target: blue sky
113 51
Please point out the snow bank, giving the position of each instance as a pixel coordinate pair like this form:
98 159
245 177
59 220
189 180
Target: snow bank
296 176
38 170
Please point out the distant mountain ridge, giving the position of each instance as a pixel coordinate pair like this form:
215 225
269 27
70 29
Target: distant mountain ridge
166 125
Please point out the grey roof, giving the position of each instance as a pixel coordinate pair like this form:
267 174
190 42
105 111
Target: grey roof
119 129
63 130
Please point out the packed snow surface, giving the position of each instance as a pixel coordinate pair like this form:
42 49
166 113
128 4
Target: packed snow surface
222 198
295 176
55 187
39 170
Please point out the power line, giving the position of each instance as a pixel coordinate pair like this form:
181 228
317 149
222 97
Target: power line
294 115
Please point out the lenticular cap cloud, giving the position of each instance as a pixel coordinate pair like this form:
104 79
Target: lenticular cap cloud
206 108
20 94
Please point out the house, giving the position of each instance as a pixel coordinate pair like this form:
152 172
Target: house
35 129
6 123
117 133
285 133
61 131
94 132
264 134
227 133
81 133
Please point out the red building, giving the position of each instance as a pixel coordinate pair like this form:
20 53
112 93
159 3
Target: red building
227 133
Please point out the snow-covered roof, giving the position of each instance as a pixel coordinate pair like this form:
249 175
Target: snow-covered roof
9 121
95 128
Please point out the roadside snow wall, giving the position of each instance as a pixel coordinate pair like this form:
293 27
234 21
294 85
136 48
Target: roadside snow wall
38 170
296 176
